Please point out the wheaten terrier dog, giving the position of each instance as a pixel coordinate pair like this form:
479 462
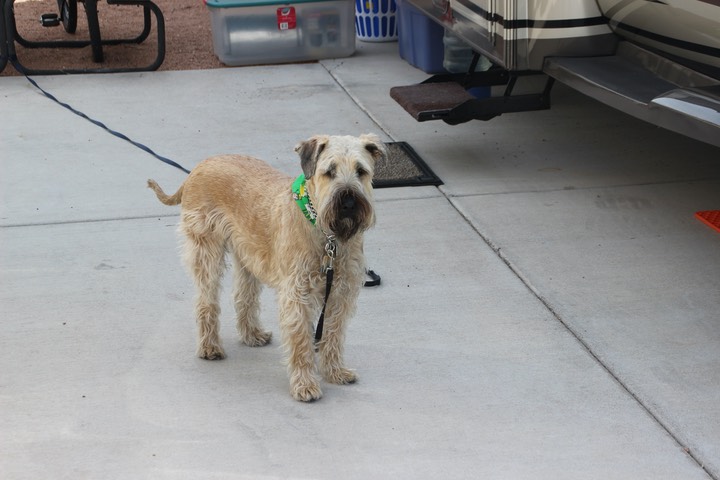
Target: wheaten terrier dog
290 235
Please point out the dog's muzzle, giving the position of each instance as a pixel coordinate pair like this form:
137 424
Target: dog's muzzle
351 213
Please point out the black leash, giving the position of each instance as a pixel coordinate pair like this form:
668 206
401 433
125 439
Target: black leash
106 128
330 274
328 286
329 271
374 279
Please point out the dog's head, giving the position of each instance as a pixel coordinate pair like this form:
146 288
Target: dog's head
339 171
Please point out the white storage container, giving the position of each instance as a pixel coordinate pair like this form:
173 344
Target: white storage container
252 32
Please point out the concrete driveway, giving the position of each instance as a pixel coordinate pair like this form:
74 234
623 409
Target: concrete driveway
551 312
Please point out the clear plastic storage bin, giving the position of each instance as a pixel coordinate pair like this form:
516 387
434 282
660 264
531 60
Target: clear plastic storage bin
255 32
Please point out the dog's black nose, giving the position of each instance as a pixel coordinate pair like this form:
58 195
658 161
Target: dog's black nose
347 204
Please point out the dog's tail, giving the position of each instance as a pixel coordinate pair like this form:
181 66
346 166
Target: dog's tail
163 197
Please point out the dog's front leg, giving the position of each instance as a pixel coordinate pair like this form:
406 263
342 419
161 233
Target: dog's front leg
296 327
332 365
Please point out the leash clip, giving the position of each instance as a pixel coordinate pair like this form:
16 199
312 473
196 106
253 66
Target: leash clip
329 257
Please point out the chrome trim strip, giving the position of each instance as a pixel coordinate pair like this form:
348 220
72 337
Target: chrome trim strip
674 42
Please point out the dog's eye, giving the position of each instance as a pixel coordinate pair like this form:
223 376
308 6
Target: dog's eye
361 172
330 172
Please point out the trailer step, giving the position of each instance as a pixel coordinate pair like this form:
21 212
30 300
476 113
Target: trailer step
453 104
430 101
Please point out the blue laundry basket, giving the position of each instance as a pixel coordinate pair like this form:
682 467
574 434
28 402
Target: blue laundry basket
375 20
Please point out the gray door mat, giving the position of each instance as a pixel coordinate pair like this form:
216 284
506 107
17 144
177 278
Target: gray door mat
403 168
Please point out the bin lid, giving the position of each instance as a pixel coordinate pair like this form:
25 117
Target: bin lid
252 3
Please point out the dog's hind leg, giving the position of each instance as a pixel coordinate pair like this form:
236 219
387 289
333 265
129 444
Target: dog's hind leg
205 258
247 307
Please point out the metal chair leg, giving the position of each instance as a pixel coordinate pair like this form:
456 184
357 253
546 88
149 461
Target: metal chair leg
91 13
3 38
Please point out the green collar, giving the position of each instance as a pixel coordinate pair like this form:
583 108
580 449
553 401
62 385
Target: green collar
300 195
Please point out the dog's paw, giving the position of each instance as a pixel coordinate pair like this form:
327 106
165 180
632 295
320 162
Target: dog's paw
306 393
211 352
259 339
341 376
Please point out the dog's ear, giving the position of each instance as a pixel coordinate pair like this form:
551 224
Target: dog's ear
375 146
309 152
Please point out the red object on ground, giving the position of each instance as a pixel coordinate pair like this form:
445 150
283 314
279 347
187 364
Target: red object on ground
711 218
